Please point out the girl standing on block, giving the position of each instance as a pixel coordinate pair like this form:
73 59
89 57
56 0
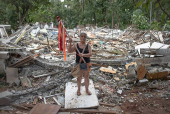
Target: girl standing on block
85 67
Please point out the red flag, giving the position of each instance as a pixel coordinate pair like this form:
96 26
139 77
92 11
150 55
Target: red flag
61 37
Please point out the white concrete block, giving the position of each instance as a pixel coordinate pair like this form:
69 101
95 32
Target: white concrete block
73 101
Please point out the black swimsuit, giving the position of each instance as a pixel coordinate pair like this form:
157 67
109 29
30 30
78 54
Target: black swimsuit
87 59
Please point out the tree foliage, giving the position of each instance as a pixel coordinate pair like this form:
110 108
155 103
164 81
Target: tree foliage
119 13
20 8
140 20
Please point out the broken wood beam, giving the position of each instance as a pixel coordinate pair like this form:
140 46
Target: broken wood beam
44 100
19 106
94 64
108 70
111 61
53 95
23 31
157 75
35 101
18 64
45 109
28 105
12 49
38 48
86 111
141 71
25 60
46 74
106 104
132 63
56 101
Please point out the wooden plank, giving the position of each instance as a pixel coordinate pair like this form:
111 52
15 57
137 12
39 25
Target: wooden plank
94 64
56 101
35 101
164 52
73 101
155 60
88 111
132 63
104 69
49 74
141 71
16 41
111 105
19 106
45 109
157 75
22 61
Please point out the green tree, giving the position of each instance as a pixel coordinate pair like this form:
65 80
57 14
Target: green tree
22 7
160 8
140 20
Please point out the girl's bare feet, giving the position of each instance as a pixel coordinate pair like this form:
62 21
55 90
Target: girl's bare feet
88 92
78 93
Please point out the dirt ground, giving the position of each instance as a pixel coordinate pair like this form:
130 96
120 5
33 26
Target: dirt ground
154 105
142 103
136 102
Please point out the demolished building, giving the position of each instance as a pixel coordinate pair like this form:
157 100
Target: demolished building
36 71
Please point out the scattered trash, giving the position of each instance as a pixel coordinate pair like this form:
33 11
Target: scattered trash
122 61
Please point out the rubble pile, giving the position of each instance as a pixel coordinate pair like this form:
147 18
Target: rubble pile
121 62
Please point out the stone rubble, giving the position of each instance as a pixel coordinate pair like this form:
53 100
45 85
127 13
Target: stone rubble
112 50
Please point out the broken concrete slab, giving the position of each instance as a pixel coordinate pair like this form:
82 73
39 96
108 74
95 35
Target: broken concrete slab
2 66
155 60
4 55
12 49
5 98
73 101
11 74
154 45
131 72
164 52
143 81
25 82
112 61
88 111
7 27
3 33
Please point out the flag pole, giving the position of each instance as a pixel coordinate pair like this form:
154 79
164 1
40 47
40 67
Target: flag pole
63 38
64 45
59 36
58 18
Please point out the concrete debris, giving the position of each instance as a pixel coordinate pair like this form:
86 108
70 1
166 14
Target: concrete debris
11 74
5 98
35 69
